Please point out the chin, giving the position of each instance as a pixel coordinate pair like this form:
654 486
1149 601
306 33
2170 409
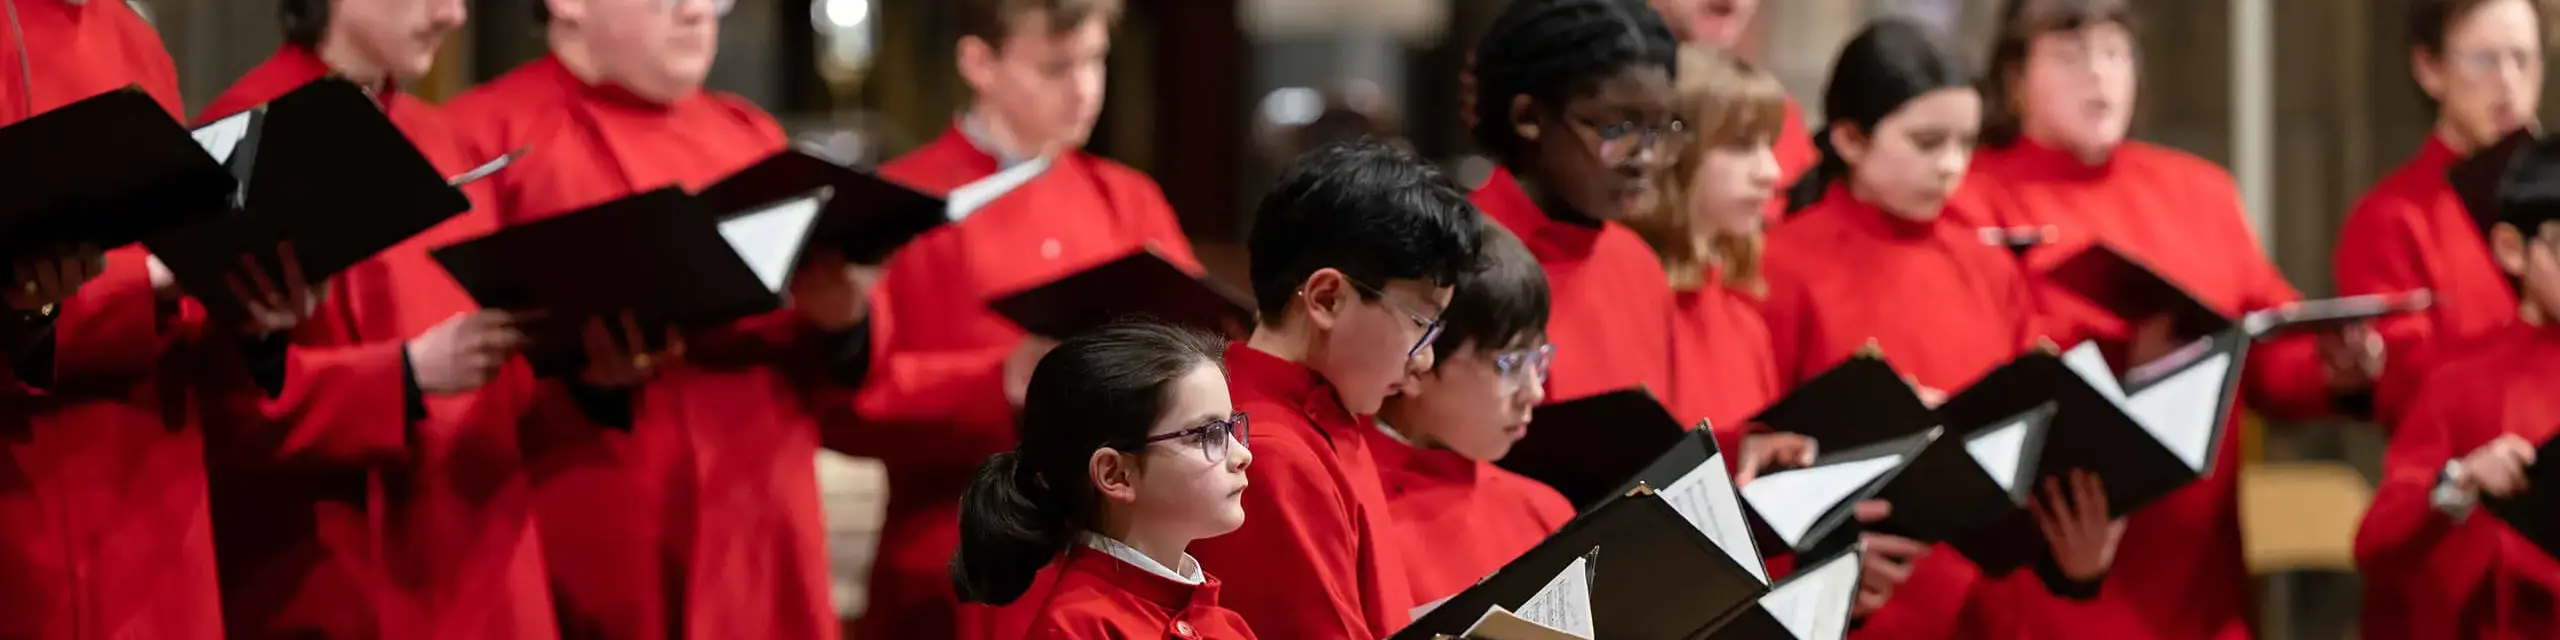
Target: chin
1229 521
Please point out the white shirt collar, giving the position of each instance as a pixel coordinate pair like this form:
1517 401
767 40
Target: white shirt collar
1391 431
975 130
1190 573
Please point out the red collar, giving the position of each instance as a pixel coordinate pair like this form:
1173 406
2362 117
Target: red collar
977 161
2435 157
2026 158
1291 383
1502 199
1173 596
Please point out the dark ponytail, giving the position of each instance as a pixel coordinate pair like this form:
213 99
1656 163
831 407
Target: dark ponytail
1890 63
1104 389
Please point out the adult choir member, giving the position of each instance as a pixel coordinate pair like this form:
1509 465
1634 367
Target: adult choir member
2480 62
1720 25
947 373
2059 106
1354 254
686 509
2472 433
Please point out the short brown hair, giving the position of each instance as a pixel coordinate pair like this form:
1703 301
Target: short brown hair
2431 20
1727 101
994 20
2020 22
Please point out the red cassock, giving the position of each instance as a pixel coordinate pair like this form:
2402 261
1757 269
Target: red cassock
1796 155
701 519
1457 520
2181 215
1316 558
1099 597
103 525
2474 577
932 405
1723 368
2410 232
349 516
1612 321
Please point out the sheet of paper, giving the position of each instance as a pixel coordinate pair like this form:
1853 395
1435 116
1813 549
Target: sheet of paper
1565 603
1791 501
2093 369
1814 604
969 197
1501 624
1418 612
224 136
1705 497
769 238
2179 410
1999 451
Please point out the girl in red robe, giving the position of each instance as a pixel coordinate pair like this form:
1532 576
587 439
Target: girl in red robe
1131 450
2411 231
2062 162
1459 516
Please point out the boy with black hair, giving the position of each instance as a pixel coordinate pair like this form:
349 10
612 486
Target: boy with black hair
1354 254
1457 515
2472 432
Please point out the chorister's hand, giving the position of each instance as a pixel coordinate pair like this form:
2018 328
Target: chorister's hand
275 303
2495 469
1886 562
617 354
1929 396
1018 366
832 293
49 276
1769 451
464 352
2351 357
2077 529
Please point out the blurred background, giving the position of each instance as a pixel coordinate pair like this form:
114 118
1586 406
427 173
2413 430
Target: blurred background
2307 101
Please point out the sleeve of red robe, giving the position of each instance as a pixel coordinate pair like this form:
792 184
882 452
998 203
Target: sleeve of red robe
1293 570
2378 252
2419 565
113 329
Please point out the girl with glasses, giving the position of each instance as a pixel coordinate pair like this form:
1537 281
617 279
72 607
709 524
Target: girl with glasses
1130 450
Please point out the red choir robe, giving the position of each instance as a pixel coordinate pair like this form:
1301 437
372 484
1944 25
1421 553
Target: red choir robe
932 405
2181 215
2474 577
1316 558
368 523
2409 232
1612 321
700 520
1796 155
1098 596
103 528
1945 309
1458 519
1722 367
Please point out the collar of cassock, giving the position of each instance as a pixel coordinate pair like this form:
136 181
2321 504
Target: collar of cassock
975 129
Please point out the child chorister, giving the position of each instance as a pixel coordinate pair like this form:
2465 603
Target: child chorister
1130 451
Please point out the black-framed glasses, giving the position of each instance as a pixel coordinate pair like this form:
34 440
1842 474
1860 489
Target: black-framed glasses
1212 437
1430 325
1623 141
1522 367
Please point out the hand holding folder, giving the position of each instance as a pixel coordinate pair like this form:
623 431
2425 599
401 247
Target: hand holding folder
2534 512
2131 290
105 172
1140 283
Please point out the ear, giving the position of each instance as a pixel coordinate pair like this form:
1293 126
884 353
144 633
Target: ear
2508 245
2429 72
1325 293
1524 117
1851 141
977 60
1114 474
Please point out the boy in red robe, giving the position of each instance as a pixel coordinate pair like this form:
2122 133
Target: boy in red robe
1354 254
2411 230
686 507
2473 432
1457 515
947 373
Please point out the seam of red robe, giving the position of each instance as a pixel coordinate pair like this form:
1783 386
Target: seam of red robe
2411 231
1459 519
1612 320
103 528
1314 558
1101 597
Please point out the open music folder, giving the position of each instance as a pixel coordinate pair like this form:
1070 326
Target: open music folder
1814 603
1591 448
1859 402
869 217
1809 510
108 170
1967 482
2130 289
1652 575
1138 284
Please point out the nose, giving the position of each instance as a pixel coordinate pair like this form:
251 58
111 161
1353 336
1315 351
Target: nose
1764 166
448 13
1421 361
1239 455
1532 392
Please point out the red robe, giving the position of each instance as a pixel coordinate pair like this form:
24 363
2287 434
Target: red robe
2476 577
702 519
1457 519
932 406
1099 597
2410 231
1796 155
1612 320
1315 559
365 524
103 528
1722 368
2181 215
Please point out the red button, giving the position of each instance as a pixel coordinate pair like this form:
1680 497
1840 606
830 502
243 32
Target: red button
1183 628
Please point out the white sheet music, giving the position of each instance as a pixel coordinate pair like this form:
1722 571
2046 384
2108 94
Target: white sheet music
2179 411
1814 604
2093 369
1418 612
1705 497
769 238
224 136
1791 501
969 197
1999 451
1565 603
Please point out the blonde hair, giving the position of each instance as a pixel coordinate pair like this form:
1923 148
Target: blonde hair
1725 101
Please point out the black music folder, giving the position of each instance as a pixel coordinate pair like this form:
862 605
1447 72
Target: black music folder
108 170
1588 448
658 255
1859 402
1810 510
2481 180
1812 604
2534 513
1653 576
1967 482
1695 477
1139 284
2129 289
322 168
869 217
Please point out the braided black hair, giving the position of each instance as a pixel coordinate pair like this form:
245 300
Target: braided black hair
1552 50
